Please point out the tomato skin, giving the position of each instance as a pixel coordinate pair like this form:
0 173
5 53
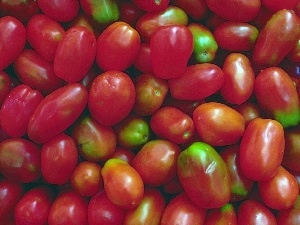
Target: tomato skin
277 5
249 111
244 35
57 111
289 216
204 175
111 97
235 10
273 44
196 9
211 121
20 160
160 156
12 40
292 149
221 216
117 47
152 5
72 64
129 12
5 85
239 79
172 124
170 42
34 206
124 154
277 96
43 35
59 157
130 186
68 208
206 78
35 71
181 210
261 149
142 60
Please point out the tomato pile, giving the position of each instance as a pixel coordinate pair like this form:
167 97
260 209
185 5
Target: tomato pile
149 112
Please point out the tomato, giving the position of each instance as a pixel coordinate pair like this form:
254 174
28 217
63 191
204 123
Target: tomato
253 212
20 160
170 42
149 211
221 216
289 216
35 71
151 5
196 9
239 78
142 60
277 96
17 109
280 4
72 63
102 211
291 150
122 183
244 34
59 157
95 142
68 208
111 97
34 206
5 85
62 11
172 124
129 12
57 111
44 34
249 111
204 175
12 40
181 210
117 47
273 44
86 178
261 149
211 121
160 156
124 154
235 10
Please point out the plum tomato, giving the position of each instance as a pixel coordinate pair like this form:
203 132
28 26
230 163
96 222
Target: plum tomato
289 216
292 149
151 5
196 9
221 216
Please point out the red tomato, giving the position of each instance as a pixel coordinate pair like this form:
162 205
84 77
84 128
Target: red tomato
221 216
5 85
34 206
43 35
75 54
261 149
290 216
206 78
12 40
142 61
196 9
151 5
181 210
170 49
20 160
160 156
57 111
279 4
218 124
292 149
129 12
59 157
117 47
249 111
122 183
111 97
124 154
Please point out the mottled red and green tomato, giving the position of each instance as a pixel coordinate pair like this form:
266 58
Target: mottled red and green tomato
292 149
221 216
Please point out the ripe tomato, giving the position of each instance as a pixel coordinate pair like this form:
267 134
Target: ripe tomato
5 85
291 150
280 4
289 216
151 5
196 9
221 216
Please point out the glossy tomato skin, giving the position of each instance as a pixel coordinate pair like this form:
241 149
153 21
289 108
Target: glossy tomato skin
32 69
181 210
20 160
170 42
34 206
43 35
117 47
273 44
59 157
62 11
17 109
204 175
111 97
172 124
142 60
5 85
72 63
289 216
12 40
68 208
57 111
211 121
122 183
261 149
249 111
221 216
152 5
160 156
239 79
196 9
277 5
124 154
102 211
277 96
95 142
206 78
